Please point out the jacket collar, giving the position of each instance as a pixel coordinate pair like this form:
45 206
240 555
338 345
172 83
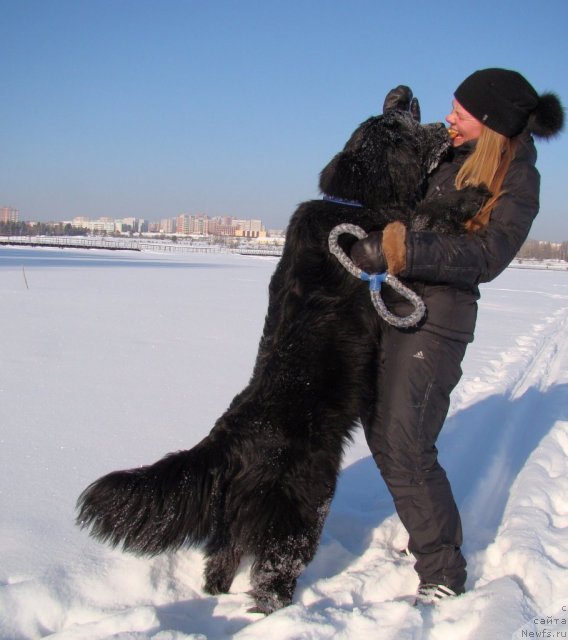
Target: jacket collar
460 153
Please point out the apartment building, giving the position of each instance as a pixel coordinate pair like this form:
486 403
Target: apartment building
9 214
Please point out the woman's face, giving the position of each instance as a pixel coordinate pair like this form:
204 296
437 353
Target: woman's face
463 124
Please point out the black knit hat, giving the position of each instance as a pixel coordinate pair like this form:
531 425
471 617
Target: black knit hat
506 102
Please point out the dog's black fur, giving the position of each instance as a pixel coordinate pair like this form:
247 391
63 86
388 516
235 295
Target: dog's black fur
261 482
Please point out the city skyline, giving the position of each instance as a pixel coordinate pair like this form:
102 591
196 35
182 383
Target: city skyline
11 214
136 107
183 223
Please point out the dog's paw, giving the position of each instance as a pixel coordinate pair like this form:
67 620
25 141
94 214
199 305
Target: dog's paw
449 212
256 609
266 602
469 201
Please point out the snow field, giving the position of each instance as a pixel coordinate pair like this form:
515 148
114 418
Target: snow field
110 361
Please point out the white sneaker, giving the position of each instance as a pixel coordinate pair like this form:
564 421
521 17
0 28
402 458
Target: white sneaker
433 593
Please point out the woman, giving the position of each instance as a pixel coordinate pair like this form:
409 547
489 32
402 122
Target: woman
494 113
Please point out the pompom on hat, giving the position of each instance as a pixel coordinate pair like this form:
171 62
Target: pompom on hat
506 102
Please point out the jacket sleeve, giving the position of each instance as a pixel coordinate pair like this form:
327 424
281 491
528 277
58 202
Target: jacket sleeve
464 261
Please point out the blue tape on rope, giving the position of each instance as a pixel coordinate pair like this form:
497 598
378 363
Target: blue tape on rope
375 280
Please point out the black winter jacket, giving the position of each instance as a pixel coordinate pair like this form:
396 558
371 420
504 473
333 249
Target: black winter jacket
446 270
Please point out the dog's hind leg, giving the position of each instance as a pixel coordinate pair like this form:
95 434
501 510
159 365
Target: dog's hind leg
285 554
221 569
274 576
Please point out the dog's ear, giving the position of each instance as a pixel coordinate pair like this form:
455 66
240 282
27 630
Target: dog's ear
343 177
347 173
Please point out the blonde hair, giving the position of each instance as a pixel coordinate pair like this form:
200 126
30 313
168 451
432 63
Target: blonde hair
487 165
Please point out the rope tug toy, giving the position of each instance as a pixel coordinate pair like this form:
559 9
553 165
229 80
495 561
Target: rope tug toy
376 280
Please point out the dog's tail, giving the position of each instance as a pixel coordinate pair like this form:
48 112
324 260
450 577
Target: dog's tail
156 508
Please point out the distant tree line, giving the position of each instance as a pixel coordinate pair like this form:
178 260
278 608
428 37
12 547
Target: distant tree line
540 250
41 229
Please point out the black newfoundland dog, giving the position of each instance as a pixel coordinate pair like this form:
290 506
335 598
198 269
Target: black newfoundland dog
260 484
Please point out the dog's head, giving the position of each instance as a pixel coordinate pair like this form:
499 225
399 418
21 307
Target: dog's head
386 161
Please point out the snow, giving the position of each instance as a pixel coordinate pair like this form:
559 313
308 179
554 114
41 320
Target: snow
110 360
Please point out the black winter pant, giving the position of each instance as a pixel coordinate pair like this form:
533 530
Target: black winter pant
417 372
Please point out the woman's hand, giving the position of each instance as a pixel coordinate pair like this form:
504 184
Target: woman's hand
367 254
382 251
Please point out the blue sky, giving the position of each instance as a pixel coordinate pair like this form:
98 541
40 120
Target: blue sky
155 108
